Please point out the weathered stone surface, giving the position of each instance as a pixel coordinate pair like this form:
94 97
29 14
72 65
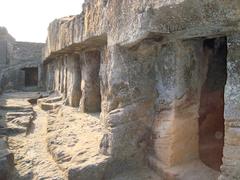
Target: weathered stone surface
6 159
93 171
90 84
74 92
156 74
230 167
14 56
126 22
6 167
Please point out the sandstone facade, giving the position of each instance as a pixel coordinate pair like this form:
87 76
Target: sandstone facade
154 69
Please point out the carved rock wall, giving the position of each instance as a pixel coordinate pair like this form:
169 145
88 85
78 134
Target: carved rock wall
231 160
90 83
151 68
14 56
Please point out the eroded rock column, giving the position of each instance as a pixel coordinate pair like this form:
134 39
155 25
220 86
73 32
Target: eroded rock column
90 84
74 87
128 104
57 81
65 76
231 160
61 71
179 76
50 76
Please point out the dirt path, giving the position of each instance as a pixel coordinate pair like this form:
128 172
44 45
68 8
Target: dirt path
60 144
32 159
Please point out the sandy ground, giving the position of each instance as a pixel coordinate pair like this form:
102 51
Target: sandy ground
32 160
57 141
74 138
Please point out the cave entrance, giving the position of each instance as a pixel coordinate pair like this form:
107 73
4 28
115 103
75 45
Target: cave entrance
31 76
211 111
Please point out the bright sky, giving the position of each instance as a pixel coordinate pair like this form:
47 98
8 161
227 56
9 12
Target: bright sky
27 20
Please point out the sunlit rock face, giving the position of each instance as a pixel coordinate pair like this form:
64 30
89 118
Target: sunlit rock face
16 60
153 70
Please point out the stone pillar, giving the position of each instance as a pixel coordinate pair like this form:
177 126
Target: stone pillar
74 87
50 76
90 84
128 104
62 74
56 74
231 160
40 76
65 76
179 76
44 76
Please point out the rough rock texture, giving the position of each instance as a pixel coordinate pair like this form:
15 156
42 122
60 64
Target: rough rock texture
15 118
29 147
14 57
6 159
90 84
231 160
123 26
153 69
4 45
73 141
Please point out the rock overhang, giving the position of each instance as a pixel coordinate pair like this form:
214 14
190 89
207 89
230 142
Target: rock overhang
126 23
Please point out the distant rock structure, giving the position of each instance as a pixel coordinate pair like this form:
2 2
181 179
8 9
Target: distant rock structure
163 73
20 62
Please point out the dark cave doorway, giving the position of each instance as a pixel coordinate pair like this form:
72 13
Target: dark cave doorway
31 76
211 111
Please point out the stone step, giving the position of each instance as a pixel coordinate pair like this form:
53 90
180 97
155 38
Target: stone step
12 130
23 121
17 108
13 115
50 106
18 114
49 100
54 99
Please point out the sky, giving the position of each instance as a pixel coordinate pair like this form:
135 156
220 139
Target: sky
28 20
